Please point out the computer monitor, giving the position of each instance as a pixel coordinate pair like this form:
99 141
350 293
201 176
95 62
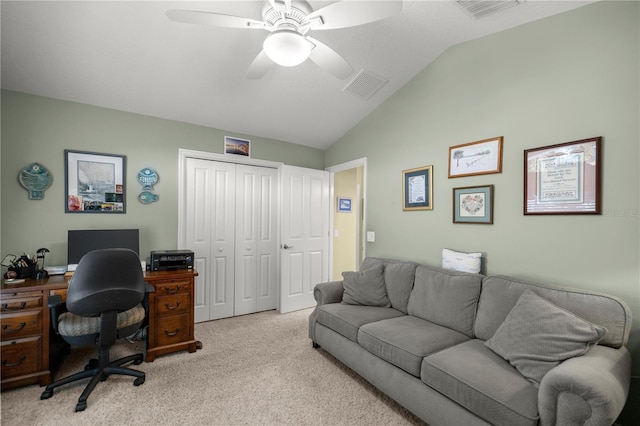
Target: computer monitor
81 242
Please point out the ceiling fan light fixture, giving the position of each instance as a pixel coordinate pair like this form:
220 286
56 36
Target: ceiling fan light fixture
287 48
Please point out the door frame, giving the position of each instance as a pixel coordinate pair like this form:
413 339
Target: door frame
359 162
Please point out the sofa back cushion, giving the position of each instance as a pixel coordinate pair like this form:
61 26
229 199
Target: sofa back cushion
500 294
398 278
444 297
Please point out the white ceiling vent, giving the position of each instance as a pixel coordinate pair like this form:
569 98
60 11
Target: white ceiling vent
481 8
365 84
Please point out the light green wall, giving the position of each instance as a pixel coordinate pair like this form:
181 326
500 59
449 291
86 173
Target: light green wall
37 129
560 79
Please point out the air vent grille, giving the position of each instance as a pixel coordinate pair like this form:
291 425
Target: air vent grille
365 84
481 8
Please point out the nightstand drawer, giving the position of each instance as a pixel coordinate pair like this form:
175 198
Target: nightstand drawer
173 304
21 357
20 324
172 329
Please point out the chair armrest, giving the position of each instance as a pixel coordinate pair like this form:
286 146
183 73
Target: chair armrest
328 292
587 390
54 302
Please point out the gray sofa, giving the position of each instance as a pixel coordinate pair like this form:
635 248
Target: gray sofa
457 348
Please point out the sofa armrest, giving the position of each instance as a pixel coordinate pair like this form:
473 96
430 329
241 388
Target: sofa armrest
329 292
586 390
324 293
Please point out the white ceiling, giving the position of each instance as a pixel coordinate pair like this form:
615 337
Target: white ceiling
128 56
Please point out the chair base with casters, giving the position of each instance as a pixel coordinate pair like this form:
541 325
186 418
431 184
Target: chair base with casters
77 331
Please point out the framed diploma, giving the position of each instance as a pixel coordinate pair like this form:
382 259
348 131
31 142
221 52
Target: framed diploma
417 188
563 178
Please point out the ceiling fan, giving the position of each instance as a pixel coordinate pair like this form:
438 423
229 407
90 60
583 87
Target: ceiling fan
288 22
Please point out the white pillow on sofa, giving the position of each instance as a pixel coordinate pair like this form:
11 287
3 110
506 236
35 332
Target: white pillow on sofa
459 261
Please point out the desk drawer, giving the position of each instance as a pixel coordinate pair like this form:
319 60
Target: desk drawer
21 357
172 329
171 287
173 304
20 324
20 303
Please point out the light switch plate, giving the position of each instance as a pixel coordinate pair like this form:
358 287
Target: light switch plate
371 236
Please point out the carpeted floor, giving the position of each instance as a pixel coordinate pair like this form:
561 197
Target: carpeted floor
253 369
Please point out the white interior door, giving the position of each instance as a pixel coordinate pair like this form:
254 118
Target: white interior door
256 239
210 233
304 235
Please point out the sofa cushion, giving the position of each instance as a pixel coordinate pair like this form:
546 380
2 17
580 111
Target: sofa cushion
365 287
537 335
444 297
405 340
398 279
347 319
481 381
500 294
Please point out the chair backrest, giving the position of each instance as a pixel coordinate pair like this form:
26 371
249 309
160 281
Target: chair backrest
106 280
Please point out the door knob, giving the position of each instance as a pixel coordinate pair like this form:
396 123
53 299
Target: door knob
286 247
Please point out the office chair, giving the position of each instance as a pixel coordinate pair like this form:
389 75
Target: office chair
104 303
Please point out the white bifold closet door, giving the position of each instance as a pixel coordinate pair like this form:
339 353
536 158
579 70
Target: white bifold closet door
231 224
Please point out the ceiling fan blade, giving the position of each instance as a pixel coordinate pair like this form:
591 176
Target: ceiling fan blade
214 19
352 13
329 60
259 67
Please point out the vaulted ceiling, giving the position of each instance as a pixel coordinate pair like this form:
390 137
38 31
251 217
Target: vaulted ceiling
128 55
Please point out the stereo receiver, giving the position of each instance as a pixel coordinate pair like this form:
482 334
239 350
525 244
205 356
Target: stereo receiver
169 260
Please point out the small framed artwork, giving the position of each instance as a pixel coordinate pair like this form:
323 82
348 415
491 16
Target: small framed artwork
417 188
473 204
563 178
94 182
237 146
344 205
476 158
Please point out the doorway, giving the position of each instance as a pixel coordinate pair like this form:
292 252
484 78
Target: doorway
347 217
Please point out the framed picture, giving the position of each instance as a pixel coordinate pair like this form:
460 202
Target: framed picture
473 204
94 182
344 205
237 146
417 188
476 158
563 178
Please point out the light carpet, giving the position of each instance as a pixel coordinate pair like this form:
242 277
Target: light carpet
253 369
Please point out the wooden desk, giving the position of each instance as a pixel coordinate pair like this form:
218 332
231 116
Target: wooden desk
31 351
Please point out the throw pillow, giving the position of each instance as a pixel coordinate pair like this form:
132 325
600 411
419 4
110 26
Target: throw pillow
538 335
365 287
459 261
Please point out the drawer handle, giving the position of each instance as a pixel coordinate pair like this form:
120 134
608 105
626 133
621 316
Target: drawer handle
6 364
170 290
171 308
5 328
170 334
5 307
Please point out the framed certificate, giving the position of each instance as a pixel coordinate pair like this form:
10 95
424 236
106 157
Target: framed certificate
563 178
417 188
